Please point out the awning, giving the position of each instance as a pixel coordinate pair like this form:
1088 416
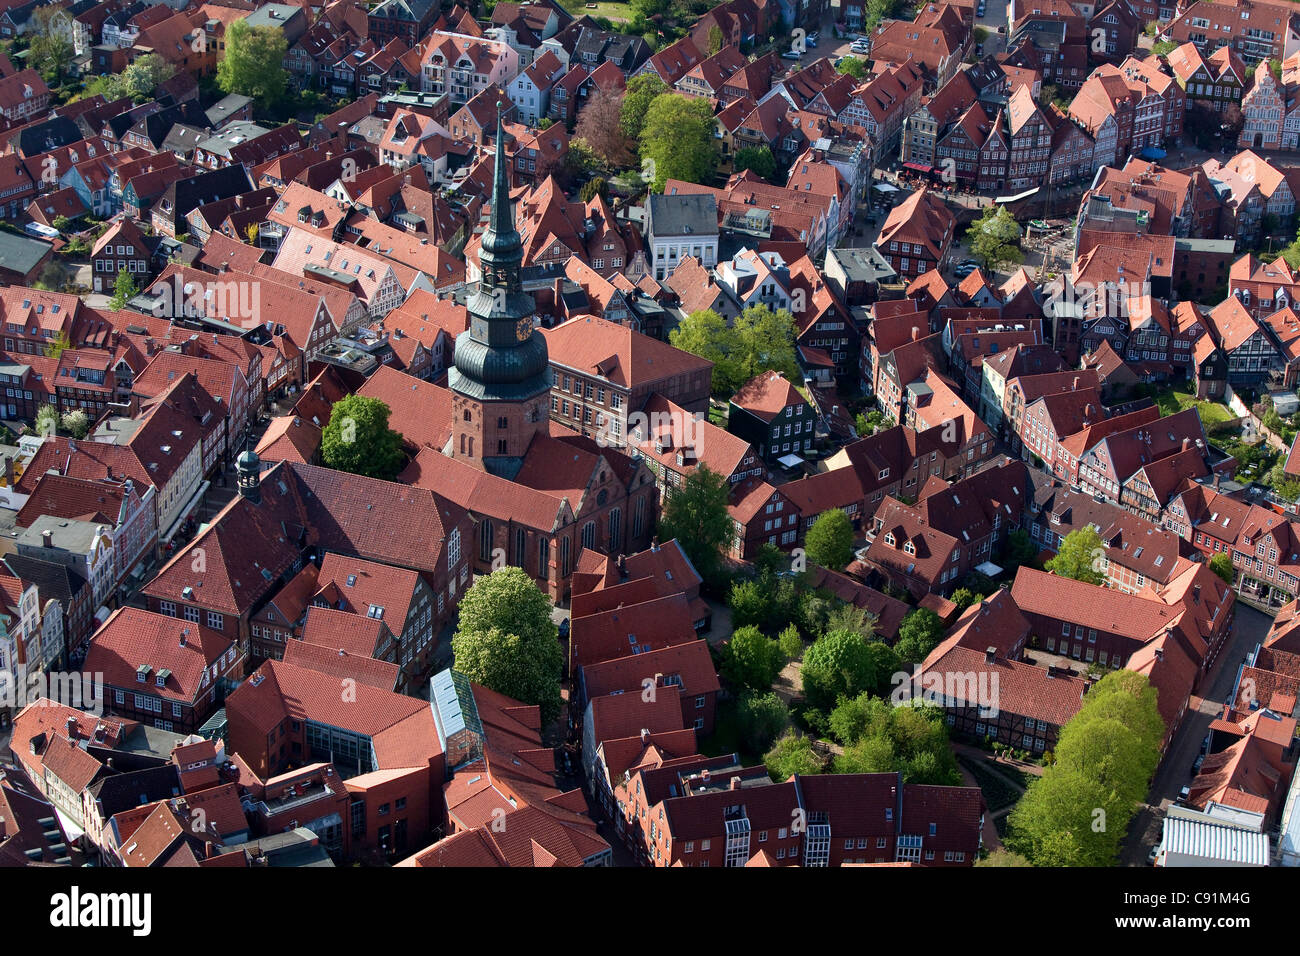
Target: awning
184 513
789 461
989 569
886 188
1017 197
1153 153
918 167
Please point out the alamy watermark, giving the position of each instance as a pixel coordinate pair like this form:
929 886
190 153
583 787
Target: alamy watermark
80 690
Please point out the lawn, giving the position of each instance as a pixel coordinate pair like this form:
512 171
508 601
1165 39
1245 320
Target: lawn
605 8
1212 414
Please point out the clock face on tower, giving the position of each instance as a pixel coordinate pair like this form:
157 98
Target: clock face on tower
524 329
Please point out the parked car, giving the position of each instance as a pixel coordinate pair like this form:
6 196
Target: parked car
811 40
790 55
1196 764
1184 794
1153 856
1205 745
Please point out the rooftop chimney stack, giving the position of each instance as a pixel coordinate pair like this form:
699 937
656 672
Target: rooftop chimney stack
990 655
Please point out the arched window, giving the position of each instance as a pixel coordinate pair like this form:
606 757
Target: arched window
638 517
589 534
543 557
486 534
564 557
468 417
521 545
615 529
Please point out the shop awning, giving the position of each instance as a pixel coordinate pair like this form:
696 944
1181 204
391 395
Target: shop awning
918 167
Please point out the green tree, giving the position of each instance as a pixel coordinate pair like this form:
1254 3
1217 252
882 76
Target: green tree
964 598
706 334
124 290
761 717
750 604
1077 812
1221 564
50 49
853 67
751 659
47 420
880 737
76 423
1018 549
844 664
1003 857
759 159
58 345
764 342
640 93
790 642
1163 47
593 188
505 640
696 515
677 140
253 64
829 541
919 634
994 238
768 559
357 439
1080 556
850 617
142 76
790 755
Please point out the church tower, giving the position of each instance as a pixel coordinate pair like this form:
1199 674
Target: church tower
501 378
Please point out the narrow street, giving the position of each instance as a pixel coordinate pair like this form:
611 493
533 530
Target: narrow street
1249 629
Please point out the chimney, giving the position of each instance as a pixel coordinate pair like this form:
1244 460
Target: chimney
645 736
1160 654
1187 443
47 539
9 470
654 544
622 567
704 777
1076 383
990 655
1196 594
184 632
735 784
72 727
916 333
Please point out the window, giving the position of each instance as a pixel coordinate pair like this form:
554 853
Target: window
216 621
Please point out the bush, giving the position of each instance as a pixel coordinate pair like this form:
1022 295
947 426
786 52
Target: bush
760 717
791 643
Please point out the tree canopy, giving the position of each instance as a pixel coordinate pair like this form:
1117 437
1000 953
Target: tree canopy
760 339
759 159
1221 564
919 634
995 238
640 93
880 738
677 140
1080 556
1078 811
751 659
793 754
829 542
357 439
253 64
696 515
506 640
843 663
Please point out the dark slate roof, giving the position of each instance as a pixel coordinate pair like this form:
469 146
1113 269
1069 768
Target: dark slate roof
55 581
125 791
695 215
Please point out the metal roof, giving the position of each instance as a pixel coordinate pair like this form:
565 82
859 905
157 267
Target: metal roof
1215 843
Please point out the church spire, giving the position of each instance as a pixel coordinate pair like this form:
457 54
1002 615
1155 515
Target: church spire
502 251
